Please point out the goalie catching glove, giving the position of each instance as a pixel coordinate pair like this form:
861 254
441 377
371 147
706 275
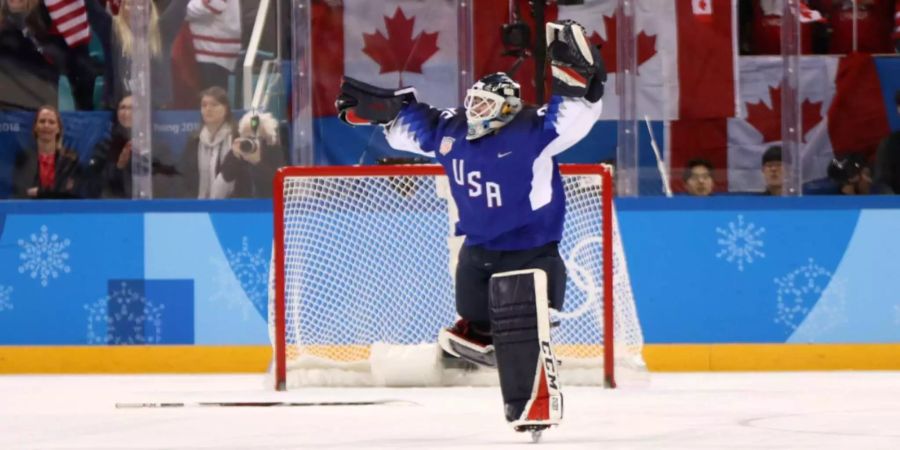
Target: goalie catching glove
363 104
576 64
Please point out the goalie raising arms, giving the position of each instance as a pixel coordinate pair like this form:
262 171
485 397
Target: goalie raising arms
500 158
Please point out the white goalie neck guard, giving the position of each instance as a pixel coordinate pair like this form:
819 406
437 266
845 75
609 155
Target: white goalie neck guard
487 111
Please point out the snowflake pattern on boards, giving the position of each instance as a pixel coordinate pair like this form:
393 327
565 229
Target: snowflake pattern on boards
251 270
5 298
114 309
44 255
800 290
740 242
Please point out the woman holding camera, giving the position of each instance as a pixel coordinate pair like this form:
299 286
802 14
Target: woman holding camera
216 163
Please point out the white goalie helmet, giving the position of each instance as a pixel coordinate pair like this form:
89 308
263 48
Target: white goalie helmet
492 102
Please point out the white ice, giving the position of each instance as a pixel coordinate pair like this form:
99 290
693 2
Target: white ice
802 410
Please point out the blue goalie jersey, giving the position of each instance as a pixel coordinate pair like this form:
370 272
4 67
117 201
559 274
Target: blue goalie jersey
506 184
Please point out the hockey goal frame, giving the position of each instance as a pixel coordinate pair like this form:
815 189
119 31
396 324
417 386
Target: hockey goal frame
280 345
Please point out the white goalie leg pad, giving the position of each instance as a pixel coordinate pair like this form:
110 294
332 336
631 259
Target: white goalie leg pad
545 406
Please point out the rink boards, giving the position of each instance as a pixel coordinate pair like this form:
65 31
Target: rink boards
730 283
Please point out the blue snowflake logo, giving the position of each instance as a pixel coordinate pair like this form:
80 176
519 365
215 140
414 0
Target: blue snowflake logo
127 311
44 256
5 298
741 242
250 268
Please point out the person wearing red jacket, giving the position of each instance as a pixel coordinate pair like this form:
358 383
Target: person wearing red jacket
875 22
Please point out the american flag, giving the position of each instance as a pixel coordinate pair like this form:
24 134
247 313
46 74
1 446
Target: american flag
70 20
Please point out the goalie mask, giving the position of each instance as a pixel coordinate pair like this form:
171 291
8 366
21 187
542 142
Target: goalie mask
492 102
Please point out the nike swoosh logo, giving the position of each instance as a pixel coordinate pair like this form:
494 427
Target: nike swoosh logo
503 155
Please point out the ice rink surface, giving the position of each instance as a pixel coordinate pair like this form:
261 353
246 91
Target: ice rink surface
800 410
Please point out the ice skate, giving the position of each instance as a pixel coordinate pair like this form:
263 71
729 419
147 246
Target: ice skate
462 340
535 430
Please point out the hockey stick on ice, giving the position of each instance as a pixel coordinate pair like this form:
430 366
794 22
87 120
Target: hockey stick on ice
663 172
261 404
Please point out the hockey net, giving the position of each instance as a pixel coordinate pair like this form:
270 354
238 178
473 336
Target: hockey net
363 280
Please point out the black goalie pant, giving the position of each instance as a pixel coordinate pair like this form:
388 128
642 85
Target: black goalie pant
476 266
522 285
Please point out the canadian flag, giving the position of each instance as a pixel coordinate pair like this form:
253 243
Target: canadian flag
404 43
69 18
686 62
685 56
702 6
841 112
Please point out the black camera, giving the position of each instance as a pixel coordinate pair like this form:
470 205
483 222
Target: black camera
248 145
516 38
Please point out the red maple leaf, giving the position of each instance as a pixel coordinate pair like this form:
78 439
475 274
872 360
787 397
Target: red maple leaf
399 51
646 45
768 120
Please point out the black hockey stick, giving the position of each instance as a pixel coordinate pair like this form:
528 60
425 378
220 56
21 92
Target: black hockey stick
261 404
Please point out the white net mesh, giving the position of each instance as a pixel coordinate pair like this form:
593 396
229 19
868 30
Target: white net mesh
367 259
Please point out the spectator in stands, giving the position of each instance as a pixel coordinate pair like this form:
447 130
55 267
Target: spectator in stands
118 43
897 27
213 164
259 145
772 169
874 23
849 175
760 24
70 24
49 170
29 56
110 164
109 168
698 178
215 28
887 160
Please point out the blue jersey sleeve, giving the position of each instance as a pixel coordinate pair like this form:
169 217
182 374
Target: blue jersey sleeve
567 120
419 127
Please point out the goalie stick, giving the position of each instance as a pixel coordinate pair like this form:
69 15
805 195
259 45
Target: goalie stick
261 404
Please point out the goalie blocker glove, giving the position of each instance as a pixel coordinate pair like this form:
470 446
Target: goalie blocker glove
363 104
576 64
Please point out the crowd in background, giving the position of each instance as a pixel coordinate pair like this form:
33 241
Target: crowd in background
51 49
827 26
193 45
79 53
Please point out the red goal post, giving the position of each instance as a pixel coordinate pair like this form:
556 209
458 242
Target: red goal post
367 220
